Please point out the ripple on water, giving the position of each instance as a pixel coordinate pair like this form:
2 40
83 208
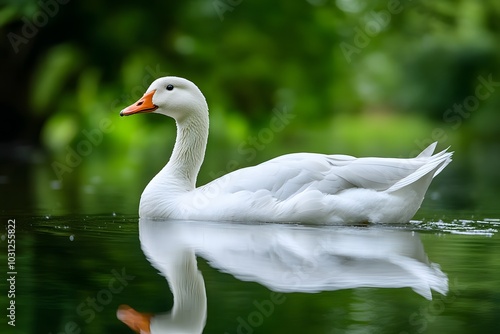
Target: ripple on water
487 227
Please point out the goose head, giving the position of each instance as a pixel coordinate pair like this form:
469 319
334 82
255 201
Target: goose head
175 97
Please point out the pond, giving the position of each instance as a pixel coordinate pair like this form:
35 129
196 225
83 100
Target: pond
75 264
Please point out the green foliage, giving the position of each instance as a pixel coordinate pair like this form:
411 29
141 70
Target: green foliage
51 75
410 56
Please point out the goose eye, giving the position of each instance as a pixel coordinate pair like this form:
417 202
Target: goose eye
170 87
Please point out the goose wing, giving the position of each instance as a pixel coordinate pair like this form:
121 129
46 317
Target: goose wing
290 174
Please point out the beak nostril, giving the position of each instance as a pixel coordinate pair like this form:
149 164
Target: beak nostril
144 104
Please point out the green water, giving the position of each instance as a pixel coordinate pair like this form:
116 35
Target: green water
65 265
78 257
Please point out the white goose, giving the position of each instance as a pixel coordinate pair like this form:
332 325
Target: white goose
301 187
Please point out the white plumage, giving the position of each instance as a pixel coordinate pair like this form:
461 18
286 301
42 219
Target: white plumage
301 187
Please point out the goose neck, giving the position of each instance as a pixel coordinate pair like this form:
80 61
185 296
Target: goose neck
189 150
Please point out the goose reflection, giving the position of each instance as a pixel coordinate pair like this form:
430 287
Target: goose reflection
284 258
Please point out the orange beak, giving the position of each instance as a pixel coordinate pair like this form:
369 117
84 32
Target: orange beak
138 322
145 104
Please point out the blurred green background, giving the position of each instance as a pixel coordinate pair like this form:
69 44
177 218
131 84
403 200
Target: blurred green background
377 78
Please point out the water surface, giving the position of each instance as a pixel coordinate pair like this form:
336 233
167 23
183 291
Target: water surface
74 271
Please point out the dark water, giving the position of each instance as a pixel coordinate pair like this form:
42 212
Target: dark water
73 271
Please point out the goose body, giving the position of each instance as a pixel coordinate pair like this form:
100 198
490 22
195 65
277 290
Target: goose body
300 187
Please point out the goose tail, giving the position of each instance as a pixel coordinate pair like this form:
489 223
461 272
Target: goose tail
422 177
